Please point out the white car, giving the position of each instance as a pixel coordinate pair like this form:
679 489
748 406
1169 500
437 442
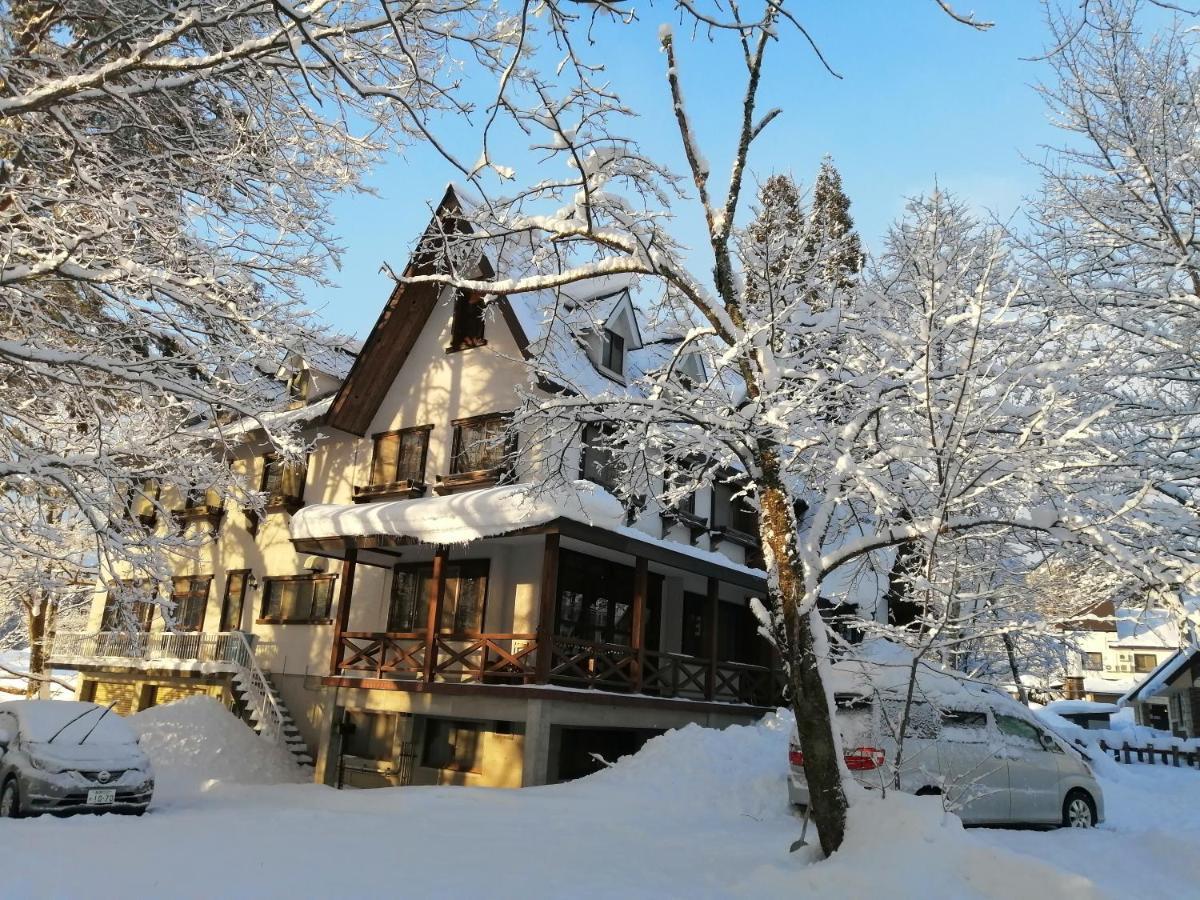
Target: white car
64 757
984 753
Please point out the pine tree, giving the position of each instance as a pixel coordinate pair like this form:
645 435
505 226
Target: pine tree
830 231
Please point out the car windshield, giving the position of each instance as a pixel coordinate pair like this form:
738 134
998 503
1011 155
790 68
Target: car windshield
41 719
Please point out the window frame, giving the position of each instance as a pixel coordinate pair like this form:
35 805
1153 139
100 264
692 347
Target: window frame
1092 661
191 600
612 343
433 725
143 609
423 431
726 516
588 449
467 331
278 499
312 579
509 446
1137 666
245 575
477 567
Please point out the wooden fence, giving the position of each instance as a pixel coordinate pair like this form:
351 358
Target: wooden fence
1175 756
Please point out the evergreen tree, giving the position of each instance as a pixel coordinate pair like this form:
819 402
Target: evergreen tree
830 236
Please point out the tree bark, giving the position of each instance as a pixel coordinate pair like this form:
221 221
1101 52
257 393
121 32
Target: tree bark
36 620
803 653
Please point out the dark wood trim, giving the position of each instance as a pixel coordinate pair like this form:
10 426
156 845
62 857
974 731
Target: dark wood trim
437 593
546 605
533 692
246 574
342 616
393 490
711 620
272 620
468 481
641 586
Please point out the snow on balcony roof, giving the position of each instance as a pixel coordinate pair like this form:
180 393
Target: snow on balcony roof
1158 679
460 518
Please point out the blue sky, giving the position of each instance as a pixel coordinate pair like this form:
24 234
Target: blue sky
921 98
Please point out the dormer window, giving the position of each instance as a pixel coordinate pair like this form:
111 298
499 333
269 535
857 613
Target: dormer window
297 386
612 352
467 327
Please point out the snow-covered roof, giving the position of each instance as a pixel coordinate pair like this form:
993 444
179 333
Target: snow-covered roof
281 419
1158 679
460 518
1080 707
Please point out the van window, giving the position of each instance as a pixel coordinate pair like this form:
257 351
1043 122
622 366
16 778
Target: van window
855 719
1019 731
965 726
922 719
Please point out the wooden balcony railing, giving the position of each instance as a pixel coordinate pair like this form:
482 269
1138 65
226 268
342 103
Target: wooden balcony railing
574 662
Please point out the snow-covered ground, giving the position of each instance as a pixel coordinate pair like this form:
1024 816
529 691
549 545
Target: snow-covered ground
698 813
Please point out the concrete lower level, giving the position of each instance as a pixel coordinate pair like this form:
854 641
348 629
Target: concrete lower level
492 738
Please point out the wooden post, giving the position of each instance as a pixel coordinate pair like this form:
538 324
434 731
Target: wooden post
641 578
342 619
437 593
710 638
545 622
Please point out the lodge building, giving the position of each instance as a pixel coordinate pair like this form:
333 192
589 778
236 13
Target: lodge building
405 610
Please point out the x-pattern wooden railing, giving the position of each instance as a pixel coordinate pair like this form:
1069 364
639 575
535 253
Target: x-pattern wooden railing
574 662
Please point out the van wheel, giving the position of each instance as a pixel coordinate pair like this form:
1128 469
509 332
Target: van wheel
10 801
1079 810
929 791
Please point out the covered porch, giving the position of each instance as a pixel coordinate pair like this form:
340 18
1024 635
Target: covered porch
556 605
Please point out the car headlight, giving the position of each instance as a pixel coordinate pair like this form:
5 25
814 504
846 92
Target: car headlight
45 765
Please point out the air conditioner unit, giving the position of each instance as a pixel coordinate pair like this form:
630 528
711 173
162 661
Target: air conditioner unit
1125 669
1108 668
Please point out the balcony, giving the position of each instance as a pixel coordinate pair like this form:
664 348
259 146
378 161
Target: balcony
514 659
185 651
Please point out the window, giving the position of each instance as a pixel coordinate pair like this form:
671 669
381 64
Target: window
612 352
462 604
1093 662
964 726
143 503
369 735
298 385
466 330
1019 731
201 498
126 608
190 596
451 745
599 461
595 599
923 719
1144 662
732 510
481 444
282 481
305 599
235 599
400 456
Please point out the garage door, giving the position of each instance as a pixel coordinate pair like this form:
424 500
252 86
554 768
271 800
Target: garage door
124 693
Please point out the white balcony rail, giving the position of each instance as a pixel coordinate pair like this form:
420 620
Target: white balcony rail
230 651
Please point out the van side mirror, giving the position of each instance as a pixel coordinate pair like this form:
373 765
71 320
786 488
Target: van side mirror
1047 741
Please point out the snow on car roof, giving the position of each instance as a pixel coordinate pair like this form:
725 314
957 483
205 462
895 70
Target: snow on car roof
38 721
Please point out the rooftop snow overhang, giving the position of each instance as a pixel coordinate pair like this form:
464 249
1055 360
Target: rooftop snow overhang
586 512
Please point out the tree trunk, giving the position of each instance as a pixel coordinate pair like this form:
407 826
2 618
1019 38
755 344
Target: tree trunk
36 619
803 653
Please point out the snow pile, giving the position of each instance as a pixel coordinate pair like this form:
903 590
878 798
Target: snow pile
197 740
459 518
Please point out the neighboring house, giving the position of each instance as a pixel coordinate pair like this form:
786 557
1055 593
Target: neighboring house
1113 650
1169 699
422 619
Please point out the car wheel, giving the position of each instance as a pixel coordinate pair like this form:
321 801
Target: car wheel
1079 810
10 801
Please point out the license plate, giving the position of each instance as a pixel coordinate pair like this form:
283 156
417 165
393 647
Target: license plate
102 796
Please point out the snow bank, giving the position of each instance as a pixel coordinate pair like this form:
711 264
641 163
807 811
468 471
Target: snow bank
459 518
196 740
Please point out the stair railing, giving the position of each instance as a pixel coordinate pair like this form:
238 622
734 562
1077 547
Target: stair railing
261 699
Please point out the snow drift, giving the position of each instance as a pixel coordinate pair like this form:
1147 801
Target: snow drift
196 740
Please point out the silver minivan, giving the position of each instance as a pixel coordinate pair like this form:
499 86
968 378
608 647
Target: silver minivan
987 757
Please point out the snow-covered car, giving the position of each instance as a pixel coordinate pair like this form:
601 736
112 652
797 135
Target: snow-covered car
988 757
59 756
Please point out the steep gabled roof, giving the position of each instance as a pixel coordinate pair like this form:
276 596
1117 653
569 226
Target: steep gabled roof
401 322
